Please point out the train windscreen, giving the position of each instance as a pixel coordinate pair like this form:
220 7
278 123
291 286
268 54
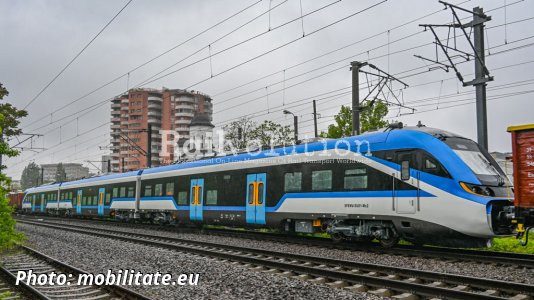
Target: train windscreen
479 161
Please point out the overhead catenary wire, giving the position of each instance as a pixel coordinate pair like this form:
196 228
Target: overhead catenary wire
399 26
150 60
262 54
76 56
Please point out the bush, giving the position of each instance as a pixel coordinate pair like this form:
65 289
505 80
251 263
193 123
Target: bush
8 235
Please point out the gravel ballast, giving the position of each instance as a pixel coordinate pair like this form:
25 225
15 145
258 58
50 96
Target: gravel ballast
217 279
466 268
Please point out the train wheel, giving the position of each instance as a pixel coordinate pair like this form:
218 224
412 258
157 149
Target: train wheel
392 241
337 237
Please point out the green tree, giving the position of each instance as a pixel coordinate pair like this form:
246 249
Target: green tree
343 126
61 175
31 176
9 121
237 133
271 133
372 114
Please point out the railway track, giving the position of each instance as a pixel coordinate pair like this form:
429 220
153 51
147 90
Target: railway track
7 292
29 259
486 257
401 283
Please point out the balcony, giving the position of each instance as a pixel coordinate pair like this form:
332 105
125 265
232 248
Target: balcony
178 121
155 120
184 114
155 105
125 100
124 123
115 120
115 105
152 113
186 105
190 99
115 112
115 126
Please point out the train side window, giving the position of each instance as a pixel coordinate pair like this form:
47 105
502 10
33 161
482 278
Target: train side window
430 164
260 192
95 200
322 180
211 197
250 193
169 188
182 198
122 192
84 200
108 198
293 182
131 192
148 191
355 179
115 192
158 189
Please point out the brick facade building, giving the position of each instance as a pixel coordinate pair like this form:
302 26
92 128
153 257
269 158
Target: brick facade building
165 110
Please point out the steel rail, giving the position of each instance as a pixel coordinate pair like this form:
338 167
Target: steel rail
400 280
42 292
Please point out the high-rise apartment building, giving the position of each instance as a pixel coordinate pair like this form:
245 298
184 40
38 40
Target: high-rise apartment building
165 109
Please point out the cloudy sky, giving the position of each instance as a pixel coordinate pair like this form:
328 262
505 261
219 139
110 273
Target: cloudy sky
254 58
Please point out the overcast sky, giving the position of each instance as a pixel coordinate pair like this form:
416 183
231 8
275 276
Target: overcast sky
38 38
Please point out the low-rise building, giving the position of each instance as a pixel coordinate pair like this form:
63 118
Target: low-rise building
74 171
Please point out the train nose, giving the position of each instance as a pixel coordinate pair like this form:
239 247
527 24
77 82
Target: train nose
500 217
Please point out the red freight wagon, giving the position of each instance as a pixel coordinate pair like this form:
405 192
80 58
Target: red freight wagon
523 158
15 199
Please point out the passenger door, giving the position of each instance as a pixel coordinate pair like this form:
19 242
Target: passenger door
79 203
101 193
196 199
33 202
404 193
256 192
43 203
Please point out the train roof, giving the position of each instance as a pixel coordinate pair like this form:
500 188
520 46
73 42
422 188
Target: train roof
43 188
118 177
375 137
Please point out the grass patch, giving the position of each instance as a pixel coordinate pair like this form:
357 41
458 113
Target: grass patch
5 295
511 244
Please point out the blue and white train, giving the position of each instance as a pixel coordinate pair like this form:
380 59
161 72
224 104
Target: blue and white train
424 185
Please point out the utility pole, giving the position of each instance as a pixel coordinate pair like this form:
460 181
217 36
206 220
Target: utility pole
149 147
315 118
42 175
384 79
355 67
122 169
295 125
482 75
109 165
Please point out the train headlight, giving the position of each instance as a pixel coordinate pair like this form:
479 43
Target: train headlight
477 189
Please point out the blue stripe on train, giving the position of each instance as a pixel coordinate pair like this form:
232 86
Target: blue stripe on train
355 194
